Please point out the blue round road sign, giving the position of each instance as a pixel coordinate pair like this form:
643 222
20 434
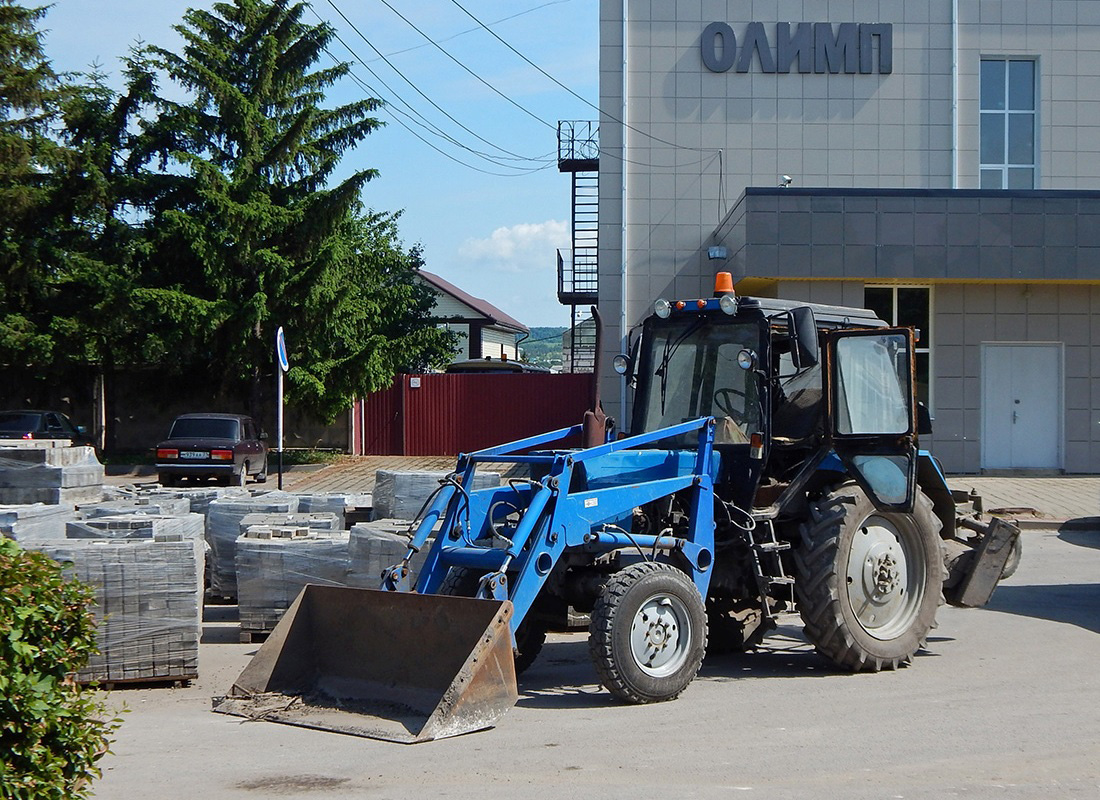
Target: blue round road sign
280 350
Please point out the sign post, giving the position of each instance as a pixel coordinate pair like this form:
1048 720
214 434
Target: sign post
284 365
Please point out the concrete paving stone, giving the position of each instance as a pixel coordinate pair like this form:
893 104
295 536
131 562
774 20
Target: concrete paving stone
1069 497
140 505
35 522
145 592
63 496
402 494
44 451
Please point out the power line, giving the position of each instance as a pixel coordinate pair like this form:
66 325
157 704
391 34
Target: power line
438 47
488 157
471 30
588 103
415 88
394 110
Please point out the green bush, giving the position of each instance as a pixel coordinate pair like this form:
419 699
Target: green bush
52 732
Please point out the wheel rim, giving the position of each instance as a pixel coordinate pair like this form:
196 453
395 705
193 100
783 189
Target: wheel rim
660 635
885 577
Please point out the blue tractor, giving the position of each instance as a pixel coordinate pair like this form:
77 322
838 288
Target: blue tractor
771 465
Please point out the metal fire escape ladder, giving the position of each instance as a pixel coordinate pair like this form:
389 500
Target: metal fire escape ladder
579 270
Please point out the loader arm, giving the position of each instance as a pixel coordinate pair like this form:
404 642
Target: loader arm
560 513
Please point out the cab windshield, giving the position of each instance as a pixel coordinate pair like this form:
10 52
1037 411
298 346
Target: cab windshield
692 372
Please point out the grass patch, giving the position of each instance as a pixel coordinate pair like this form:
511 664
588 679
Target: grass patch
127 457
305 455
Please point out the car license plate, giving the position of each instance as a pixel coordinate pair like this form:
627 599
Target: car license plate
194 454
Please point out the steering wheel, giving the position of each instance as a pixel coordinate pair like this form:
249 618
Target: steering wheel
723 401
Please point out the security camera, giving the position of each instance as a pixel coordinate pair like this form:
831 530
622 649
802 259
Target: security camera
785 180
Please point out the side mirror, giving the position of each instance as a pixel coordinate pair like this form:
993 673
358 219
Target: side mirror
263 436
802 328
81 429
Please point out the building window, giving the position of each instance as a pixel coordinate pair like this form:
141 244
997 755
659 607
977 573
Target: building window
909 306
1007 132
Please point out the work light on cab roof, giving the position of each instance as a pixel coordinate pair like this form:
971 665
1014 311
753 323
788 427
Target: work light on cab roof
723 291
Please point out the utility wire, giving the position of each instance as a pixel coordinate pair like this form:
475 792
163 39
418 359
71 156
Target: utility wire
394 110
413 85
430 128
471 30
488 157
543 72
490 86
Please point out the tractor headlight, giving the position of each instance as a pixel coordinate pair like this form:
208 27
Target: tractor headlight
662 308
746 359
621 364
728 304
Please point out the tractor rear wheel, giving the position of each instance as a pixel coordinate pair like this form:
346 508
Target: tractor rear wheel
868 582
530 636
648 633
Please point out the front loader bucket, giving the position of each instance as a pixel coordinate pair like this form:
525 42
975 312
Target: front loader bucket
388 665
984 571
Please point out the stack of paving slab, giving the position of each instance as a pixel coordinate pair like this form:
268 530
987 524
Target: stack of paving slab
274 564
335 502
148 602
184 527
316 521
200 498
28 524
223 527
377 545
48 471
401 494
165 505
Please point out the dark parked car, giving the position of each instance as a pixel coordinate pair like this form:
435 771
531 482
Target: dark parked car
224 446
489 365
41 425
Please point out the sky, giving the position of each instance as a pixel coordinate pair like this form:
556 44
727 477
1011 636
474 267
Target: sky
468 150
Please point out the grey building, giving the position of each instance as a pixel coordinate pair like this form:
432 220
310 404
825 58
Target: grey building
937 160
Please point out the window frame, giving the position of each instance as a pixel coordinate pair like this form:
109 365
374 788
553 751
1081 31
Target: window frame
1007 113
924 345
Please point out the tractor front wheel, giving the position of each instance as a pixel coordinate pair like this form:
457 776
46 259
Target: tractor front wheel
869 583
648 633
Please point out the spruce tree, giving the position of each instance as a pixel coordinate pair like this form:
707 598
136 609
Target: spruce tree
250 220
31 95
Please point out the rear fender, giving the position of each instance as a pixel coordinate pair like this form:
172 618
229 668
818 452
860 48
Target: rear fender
933 482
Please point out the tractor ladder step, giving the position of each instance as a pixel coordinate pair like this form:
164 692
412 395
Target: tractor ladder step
771 547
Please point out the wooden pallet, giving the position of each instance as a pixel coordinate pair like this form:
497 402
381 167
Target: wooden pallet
172 682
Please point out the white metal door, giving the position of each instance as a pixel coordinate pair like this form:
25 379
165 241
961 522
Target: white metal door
1022 406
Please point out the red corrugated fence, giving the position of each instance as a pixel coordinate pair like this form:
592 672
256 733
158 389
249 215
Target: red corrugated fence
427 415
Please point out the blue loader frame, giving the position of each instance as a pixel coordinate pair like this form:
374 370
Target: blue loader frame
556 519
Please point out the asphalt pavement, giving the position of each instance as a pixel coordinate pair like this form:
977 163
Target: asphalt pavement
1003 703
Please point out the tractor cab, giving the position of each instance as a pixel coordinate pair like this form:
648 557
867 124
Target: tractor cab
794 389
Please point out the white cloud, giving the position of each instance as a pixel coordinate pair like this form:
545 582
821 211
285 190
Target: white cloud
524 248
